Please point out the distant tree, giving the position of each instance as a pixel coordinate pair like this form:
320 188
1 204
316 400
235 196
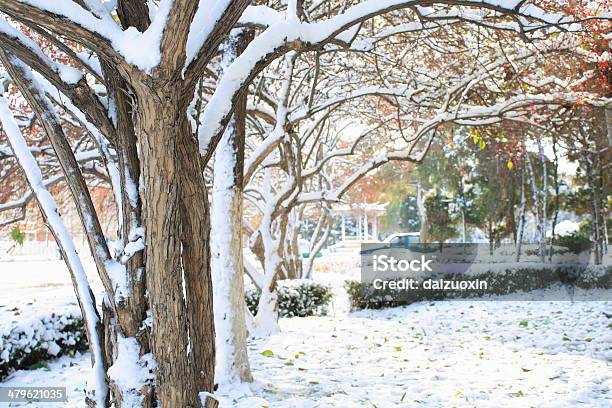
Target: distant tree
17 235
441 222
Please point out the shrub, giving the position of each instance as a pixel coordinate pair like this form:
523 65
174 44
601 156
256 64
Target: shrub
500 282
296 298
575 242
41 339
17 235
363 296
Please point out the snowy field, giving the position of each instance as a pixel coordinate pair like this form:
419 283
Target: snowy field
438 354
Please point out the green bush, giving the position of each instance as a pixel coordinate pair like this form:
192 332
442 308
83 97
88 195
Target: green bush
363 296
296 298
17 235
575 242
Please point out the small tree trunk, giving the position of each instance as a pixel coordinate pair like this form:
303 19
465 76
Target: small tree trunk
595 213
544 194
603 210
269 252
318 240
292 261
537 207
491 236
423 234
265 321
521 226
557 192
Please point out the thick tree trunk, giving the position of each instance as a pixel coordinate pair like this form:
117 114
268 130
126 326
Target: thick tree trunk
177 253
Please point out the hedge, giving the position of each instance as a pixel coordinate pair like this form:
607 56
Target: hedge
501 282
296 298
41 339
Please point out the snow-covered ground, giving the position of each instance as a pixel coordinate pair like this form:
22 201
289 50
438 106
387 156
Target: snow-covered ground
434 354
37 288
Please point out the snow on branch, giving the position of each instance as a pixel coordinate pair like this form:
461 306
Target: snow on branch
28 50
70 19
280 36
68 80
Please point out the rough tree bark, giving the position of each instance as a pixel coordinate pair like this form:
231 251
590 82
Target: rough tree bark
177 227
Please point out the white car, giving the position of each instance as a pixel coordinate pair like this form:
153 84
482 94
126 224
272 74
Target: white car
404 238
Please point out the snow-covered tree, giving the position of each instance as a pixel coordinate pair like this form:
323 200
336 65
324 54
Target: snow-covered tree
129 74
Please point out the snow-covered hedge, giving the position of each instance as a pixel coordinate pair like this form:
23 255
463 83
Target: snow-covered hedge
40 339
500 282
296 298
362 296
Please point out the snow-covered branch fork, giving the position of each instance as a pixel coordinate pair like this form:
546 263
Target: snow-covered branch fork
125 73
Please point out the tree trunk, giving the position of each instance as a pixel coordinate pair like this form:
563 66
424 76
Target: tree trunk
557 199
177 226
98 396
491 235
268 249
226 240
227 264
521 226
292 260
544 194
423 234
595 213
318 240
131 311
540 233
